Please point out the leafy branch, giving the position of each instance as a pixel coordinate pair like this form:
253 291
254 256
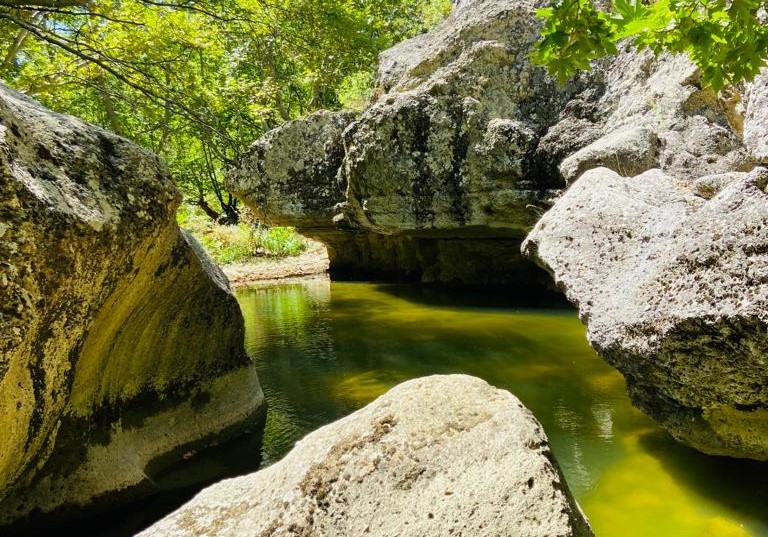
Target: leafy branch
726 39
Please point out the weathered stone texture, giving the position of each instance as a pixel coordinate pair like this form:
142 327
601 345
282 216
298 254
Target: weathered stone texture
672 280
447 152
107 312
639 112
442 455
289 175
756 118
451 145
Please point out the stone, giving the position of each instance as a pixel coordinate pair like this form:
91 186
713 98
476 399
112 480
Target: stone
671 278
290 173
756 118
465 140
466 145
451 144
441 455
629 151
640 112
121 346
446 153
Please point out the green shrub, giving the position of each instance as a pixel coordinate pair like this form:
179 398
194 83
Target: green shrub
240 243
225 244
282 241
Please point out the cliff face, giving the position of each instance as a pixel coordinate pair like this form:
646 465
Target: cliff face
438 172
120 343
659 239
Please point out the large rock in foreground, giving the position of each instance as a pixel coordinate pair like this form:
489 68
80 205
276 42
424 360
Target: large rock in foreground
442 455
121 346
672 279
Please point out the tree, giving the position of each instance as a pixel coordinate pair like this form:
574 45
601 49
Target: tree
727 39
197 80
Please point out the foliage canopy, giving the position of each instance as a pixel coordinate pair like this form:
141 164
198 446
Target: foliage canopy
727 39
198 80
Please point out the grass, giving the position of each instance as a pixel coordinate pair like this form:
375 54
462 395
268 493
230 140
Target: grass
240 243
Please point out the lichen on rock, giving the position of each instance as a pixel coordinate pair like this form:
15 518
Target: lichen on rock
108 312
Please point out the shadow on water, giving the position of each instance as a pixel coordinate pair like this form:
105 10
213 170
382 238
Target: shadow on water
166 491
515 297
739 485
326 349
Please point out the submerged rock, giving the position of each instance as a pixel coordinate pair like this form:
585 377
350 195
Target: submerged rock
441 455
672 280
121 346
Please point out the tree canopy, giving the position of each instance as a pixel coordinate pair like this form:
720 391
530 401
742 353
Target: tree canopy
198 80
727 39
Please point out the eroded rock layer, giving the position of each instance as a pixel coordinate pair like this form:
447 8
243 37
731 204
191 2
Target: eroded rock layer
120 343
442 455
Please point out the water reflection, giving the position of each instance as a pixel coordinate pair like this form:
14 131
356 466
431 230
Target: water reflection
325 349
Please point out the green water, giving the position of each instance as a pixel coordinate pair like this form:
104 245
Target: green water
326 349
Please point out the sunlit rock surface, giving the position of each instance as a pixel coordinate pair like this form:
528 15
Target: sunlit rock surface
664 253
289 174
466 145
755 120
638 112
442 455
672 281
121 346
441 168
467 142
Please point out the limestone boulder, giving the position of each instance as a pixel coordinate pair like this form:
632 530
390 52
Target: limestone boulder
671 278
639 112
443 160
121 346
289 175
756 118
441 455
451 144
465 140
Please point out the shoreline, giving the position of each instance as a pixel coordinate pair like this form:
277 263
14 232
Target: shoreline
311 264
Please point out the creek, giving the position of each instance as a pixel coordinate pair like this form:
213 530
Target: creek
326 349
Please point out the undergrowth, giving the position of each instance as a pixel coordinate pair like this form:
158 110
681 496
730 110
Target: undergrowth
240 243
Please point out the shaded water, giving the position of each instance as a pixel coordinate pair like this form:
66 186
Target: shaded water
325 349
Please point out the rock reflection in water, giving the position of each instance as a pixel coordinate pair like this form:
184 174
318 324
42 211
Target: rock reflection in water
325 349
